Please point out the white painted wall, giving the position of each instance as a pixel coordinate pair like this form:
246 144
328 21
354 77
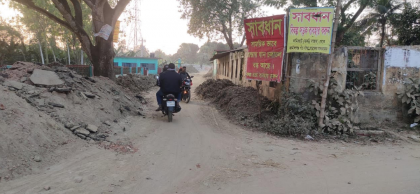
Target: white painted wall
402 57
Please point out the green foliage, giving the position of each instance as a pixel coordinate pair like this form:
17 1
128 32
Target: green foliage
406 25
369 81
341 107
378 20
410 97
11 42
218 19
295 116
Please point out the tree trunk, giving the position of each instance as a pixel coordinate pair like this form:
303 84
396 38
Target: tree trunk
40 50
68 52
382 34
103 58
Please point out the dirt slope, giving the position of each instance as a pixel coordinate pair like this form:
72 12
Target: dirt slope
201 152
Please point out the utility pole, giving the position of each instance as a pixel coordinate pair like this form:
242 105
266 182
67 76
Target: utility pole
142 46
330 60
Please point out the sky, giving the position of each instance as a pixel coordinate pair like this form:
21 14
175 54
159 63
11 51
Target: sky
163 29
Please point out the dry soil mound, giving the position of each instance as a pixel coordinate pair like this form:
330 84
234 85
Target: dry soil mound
209 73
211 88
192 69
136 83
37 117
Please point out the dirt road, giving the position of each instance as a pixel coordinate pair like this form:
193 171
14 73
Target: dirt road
201 152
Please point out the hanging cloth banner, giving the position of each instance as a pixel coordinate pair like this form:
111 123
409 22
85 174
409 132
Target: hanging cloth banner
265 38
310 30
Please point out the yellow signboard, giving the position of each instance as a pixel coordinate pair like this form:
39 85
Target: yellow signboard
116 31
310 30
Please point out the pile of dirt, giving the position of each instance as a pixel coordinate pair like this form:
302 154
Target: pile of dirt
211 88
240 103
136 83
209 73
43 108
192 69
246 107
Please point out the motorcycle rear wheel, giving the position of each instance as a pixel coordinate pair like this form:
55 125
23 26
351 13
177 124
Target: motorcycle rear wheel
169 116
187 97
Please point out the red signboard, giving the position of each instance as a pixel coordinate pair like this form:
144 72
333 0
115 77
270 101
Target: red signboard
265 38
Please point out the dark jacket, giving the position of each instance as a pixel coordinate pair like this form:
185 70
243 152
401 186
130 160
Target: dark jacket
184 75
170 82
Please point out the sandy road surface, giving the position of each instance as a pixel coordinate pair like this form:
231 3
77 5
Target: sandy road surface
201 152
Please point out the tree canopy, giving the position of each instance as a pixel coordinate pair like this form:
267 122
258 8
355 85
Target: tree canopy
70 14
218 19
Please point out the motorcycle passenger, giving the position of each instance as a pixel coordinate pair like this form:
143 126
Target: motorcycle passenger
171 82
159 93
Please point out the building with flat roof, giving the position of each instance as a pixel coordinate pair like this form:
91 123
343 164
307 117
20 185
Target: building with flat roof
151 64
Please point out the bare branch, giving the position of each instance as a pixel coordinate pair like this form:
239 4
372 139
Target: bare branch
119 8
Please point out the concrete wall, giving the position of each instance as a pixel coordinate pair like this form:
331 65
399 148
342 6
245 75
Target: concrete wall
394 66
313 66
400 64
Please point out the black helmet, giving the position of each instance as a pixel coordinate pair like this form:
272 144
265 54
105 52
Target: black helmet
165 67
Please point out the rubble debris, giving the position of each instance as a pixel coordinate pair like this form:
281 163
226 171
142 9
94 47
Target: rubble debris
89 95
414 138
42 100
56 105
14 84
45 78
92 128
69 125
37 159
107 123
369 132
136 83
47 188
82 131
75 127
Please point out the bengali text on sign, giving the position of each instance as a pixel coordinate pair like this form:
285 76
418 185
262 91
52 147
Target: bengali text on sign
310 30
266 41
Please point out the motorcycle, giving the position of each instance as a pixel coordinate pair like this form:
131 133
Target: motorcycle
186 89
169 105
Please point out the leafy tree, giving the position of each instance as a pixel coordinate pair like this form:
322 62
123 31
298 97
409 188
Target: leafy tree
347 19
218 19
380 17
187 52
406 25
208 49
70 14
11 42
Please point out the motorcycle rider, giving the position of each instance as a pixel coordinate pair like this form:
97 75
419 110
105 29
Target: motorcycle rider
159 93
184 73
170 83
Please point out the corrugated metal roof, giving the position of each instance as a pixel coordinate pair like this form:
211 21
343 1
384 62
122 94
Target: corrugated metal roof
224 54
